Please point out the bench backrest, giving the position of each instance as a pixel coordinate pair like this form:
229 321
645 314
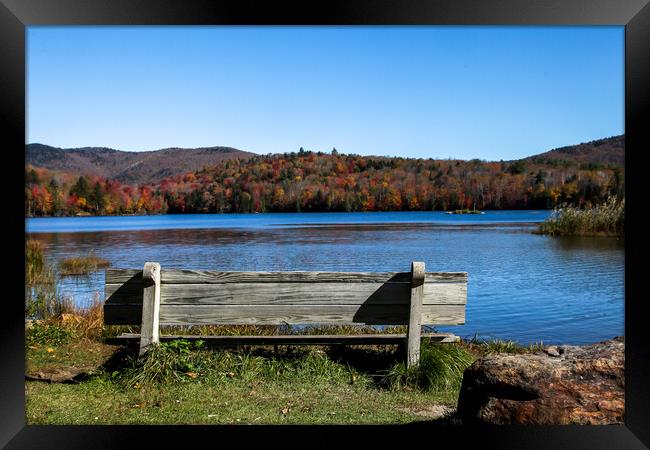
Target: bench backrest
192 297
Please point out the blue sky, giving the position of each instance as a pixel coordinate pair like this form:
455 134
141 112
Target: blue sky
428 91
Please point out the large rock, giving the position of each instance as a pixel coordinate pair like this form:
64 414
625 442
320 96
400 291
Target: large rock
560 385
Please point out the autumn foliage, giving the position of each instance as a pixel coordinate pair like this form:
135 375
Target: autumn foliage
310 181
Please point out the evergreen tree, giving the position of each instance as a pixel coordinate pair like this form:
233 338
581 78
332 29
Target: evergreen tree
96 198
54 190
81 188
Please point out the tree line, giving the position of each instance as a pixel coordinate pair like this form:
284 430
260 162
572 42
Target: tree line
316 181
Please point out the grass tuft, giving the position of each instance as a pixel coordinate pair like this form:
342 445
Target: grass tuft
441 369
484 347
41 298
82 265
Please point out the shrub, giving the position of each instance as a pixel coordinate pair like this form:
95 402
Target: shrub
441 368
47 334
606 219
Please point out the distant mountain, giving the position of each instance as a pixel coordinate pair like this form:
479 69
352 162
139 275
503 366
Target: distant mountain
602 152
128 167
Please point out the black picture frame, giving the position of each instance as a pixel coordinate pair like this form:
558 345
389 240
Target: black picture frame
15 15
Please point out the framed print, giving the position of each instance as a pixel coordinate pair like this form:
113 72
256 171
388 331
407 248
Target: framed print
459 180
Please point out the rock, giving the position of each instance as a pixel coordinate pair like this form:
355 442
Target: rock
560 385
552 351
433 411
59 375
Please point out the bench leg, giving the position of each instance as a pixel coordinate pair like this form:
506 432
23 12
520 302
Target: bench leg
414 331
150 306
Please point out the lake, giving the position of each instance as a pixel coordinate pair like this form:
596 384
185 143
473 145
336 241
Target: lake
521 286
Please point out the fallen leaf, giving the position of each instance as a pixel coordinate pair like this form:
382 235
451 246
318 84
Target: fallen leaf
50 349
286 410
230 374
192 374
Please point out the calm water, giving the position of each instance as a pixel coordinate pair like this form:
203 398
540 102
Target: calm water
521 286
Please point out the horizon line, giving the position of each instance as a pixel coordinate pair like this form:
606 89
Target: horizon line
450 158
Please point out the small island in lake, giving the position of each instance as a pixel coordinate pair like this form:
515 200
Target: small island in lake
466 211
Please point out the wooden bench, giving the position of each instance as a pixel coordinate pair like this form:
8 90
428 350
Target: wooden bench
153 297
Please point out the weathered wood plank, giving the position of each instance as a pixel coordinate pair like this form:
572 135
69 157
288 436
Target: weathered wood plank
289 293
415 315
294 314
311 339
181 276
114 275
242 315
150 306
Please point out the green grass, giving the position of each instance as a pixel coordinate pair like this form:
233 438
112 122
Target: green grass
82 353
47 334
485 347
182 382
441 369
607 219
235 401
82 265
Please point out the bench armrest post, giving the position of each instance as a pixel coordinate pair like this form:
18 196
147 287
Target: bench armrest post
414 331
150 306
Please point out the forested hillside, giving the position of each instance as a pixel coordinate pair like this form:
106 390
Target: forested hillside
316 181
128 167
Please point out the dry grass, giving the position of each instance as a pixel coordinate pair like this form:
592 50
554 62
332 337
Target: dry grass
37 271
82 265
41 298
86 322
67 322
607 219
